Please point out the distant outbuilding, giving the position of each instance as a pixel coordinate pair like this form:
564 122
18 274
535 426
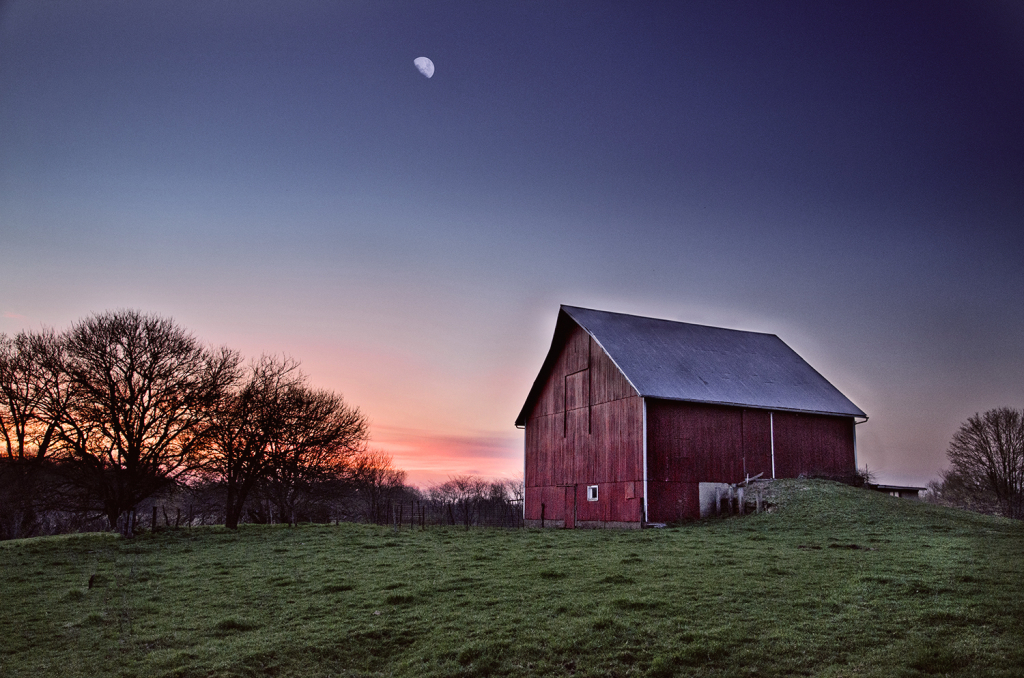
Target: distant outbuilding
902 491
631 418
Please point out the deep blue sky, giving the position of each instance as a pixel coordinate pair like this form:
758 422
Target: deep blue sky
277 176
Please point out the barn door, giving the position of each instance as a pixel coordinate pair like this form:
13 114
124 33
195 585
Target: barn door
757 443
570 506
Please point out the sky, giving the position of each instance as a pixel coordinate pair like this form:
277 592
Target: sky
278 177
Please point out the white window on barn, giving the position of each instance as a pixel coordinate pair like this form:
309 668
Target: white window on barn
591 492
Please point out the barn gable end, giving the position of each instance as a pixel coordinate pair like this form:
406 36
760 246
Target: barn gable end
629 415
583 428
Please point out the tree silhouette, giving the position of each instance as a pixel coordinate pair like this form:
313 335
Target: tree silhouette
276 434
987 457
146 395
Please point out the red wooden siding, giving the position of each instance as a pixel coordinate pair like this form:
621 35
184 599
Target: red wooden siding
813 444
694 442
757 443
673 501
585 429
691 443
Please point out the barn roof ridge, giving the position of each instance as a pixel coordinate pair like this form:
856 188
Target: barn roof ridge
567 307
675 360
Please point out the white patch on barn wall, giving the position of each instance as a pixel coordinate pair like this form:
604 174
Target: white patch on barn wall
710 494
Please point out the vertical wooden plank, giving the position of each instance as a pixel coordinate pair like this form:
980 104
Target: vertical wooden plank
757 442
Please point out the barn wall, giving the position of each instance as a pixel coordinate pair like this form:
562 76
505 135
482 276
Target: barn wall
585 429
694 442
691 443
674 501
813 444
757 443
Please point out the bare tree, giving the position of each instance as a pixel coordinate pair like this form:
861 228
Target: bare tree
125 406
951 490
472 500
375 482
319 437
276 435
34 392
249 422
33 389
459 496
147 394
278 440
987 457
515 496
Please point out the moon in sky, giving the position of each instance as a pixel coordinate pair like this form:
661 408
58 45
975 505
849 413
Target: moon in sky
424 65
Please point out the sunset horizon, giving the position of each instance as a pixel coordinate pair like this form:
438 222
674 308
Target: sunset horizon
400 197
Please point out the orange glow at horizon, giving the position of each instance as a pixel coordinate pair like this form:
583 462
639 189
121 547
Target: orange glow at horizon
438 410
431 458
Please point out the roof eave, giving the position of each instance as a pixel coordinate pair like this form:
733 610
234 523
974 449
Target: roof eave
767 408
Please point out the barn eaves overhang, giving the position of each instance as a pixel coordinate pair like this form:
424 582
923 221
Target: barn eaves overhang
696 363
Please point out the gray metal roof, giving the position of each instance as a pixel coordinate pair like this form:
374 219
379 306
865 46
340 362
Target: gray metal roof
680 361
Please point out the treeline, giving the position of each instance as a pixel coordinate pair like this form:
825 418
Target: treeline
461 501
127 417
468 501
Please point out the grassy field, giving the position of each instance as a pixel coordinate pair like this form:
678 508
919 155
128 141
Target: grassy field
835 582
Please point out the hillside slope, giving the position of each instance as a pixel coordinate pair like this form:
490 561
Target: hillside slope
835 581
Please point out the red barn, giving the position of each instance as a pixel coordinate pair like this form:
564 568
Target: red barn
631 418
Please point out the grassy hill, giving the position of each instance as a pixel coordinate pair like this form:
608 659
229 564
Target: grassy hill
835 582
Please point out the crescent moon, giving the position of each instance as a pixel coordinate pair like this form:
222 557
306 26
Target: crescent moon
424 66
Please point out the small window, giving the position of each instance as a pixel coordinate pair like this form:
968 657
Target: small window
591 492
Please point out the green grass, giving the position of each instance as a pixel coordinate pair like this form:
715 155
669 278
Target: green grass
836 582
